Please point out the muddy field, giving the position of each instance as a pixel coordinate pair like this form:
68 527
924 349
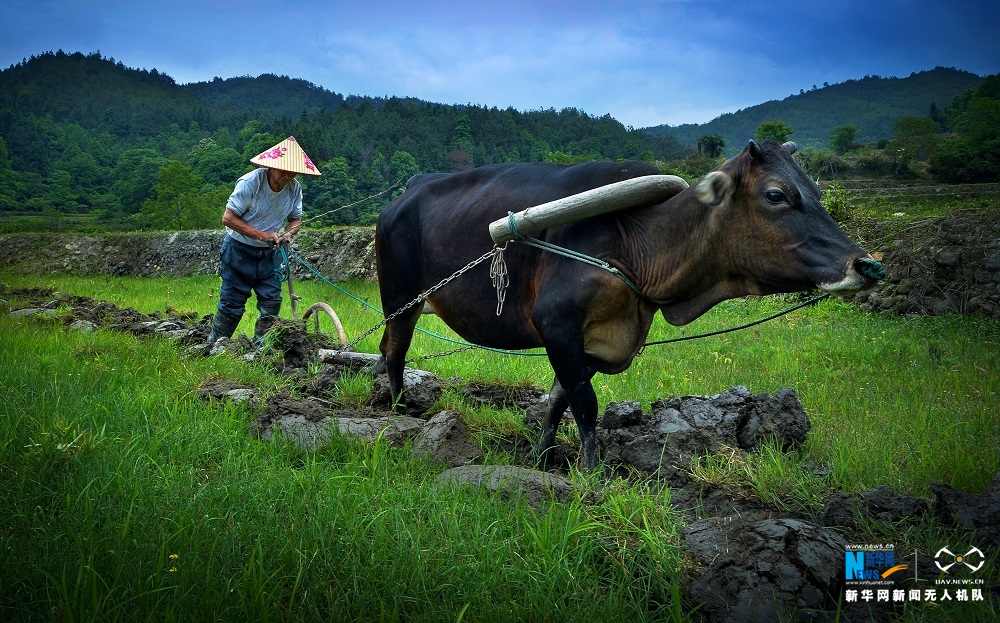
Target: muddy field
750 560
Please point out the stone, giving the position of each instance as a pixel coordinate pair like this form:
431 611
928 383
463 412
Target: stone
536 487
444 438
621 414
758 568
421 389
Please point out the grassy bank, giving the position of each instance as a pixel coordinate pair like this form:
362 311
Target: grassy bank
131 499
889 398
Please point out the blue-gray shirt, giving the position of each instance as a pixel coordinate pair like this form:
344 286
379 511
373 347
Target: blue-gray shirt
259 206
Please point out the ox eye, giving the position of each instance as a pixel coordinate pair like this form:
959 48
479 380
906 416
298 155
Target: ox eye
775 196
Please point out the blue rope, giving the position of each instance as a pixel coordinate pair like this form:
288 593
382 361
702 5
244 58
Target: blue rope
283 270
573 255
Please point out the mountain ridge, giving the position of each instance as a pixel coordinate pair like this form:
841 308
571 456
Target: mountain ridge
872 104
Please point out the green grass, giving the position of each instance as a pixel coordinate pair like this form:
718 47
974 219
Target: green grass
128 498
890 399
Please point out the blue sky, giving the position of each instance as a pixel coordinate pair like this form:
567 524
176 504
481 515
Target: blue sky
644 63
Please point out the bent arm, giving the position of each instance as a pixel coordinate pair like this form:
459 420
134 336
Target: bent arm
235 223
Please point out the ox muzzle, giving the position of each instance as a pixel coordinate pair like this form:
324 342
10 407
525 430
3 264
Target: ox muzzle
861 274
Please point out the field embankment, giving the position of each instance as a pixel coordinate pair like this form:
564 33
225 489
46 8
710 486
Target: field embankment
935 265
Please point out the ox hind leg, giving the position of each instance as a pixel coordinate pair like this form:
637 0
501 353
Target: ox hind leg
395 343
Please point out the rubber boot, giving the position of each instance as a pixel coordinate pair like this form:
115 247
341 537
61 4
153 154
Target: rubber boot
223 326
269 311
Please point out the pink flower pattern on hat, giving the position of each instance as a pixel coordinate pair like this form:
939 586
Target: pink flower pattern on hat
274 153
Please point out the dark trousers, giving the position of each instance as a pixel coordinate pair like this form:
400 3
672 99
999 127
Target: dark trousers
245 269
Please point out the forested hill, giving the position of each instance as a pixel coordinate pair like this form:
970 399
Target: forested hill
872 104
117 147
84 134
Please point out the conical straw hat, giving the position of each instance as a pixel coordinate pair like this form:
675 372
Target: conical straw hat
287 156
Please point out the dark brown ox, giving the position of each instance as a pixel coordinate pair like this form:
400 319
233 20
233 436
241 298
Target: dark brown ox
753 226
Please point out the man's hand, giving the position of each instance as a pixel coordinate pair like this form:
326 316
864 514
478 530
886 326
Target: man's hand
285 238
272 238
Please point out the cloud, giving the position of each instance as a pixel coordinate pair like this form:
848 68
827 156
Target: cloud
644 62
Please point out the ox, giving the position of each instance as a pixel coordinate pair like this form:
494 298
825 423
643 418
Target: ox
753 226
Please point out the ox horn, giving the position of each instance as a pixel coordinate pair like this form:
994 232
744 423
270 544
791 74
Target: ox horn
790 147
622 195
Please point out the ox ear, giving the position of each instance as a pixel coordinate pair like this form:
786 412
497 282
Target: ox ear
789 147
714 189
753 149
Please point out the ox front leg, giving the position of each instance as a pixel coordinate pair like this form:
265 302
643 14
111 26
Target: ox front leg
583 402
579 394
556 405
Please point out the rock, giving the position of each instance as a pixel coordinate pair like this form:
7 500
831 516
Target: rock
28 312
84 326
537 488
621 414
890 507
978 512
762 569
949 256
394 429
882 504
421 390
685 427
992 260
503 396
309 424
841 510
444 438
781 419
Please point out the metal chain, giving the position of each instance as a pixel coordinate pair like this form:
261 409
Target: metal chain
498 272
423 296
443 354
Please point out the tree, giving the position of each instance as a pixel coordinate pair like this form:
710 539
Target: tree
177 204
9 188
776 130
402 166
220 166
331 192
843 139
938 116
915 138
974 154
562 157
711 145
462 146
134 176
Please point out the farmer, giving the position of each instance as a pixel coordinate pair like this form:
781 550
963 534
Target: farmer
263 201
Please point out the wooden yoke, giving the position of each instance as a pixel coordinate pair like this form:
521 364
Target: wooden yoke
622 195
